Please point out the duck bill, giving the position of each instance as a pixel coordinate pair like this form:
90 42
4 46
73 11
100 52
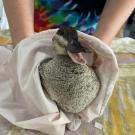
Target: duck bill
77 58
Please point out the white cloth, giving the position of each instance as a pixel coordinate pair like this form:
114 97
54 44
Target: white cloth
23 101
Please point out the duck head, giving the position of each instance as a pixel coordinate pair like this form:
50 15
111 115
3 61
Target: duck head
66 42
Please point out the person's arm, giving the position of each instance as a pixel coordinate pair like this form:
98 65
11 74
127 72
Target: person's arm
114 15
20 18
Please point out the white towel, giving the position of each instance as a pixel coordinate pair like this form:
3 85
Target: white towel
22 100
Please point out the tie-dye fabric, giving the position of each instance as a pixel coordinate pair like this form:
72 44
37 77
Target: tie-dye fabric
82 15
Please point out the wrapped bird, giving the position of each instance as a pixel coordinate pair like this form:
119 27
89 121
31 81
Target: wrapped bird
66 78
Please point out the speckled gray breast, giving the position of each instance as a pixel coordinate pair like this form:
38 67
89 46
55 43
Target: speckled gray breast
72 86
